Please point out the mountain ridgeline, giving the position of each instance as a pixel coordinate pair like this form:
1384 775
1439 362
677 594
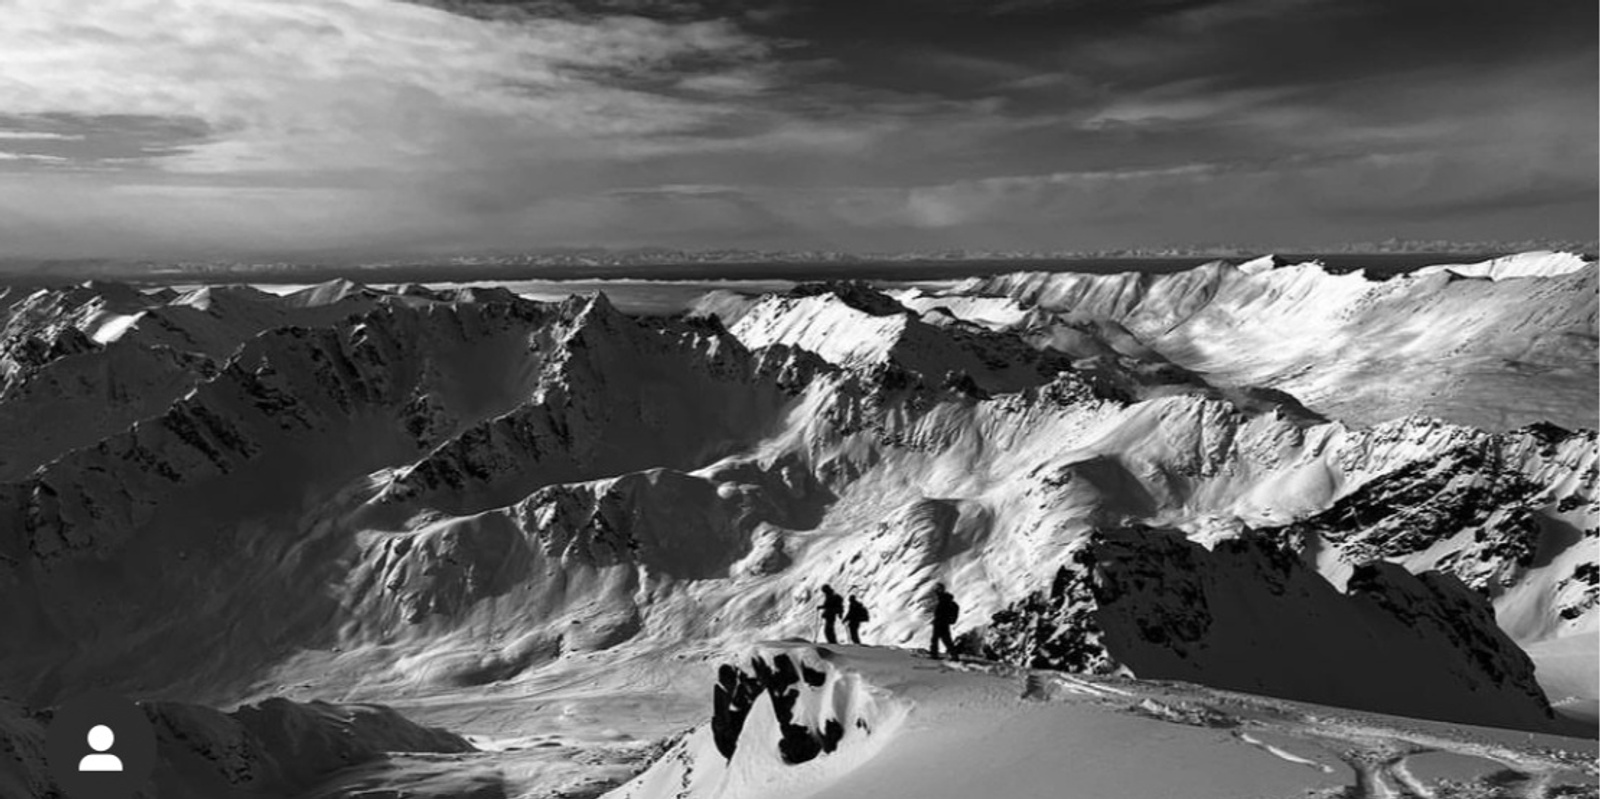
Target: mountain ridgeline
423 489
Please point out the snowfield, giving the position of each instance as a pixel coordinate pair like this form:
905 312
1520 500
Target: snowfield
914 727
463 542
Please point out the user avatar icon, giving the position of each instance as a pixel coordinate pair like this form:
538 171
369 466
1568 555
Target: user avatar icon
101 738
121 757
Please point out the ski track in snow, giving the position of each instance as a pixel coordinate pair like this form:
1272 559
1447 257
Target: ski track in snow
1378 754
1284 753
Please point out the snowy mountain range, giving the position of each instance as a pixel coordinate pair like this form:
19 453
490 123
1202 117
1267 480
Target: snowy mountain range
1378 495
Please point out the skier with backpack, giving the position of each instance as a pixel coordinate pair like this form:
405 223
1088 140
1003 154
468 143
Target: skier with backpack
945 613
832 608
855 617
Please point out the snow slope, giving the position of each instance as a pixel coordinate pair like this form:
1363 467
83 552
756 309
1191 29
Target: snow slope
1527 264
919 728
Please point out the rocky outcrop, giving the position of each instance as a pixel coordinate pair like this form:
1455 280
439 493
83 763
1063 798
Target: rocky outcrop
780 709
1247 615
1578 593
1465 490
1502 511
736 691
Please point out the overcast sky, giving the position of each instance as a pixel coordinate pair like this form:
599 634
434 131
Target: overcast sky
217 128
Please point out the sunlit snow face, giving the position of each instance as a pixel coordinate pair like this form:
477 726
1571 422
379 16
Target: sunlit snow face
214 127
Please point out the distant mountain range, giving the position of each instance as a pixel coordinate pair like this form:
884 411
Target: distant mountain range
600 261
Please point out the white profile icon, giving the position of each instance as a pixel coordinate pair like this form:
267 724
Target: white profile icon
100 739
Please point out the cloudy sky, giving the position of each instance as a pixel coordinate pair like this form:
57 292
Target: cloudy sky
218 128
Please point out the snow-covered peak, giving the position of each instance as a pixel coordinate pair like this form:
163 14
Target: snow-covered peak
839 331
861 329
329 293
1264 263
1541 263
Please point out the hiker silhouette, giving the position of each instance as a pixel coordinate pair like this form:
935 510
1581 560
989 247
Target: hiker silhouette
945 613
855 617
832 608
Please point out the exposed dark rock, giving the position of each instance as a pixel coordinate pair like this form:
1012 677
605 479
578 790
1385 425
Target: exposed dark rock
1249 615
1584 583
1411 508
736 692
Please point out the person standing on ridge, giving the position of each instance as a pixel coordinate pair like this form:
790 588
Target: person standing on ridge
855 617
945 613
832 608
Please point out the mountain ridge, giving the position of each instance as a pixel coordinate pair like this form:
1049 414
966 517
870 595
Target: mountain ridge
350 488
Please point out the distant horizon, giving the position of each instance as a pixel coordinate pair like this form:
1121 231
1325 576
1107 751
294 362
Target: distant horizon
645 254
593 266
